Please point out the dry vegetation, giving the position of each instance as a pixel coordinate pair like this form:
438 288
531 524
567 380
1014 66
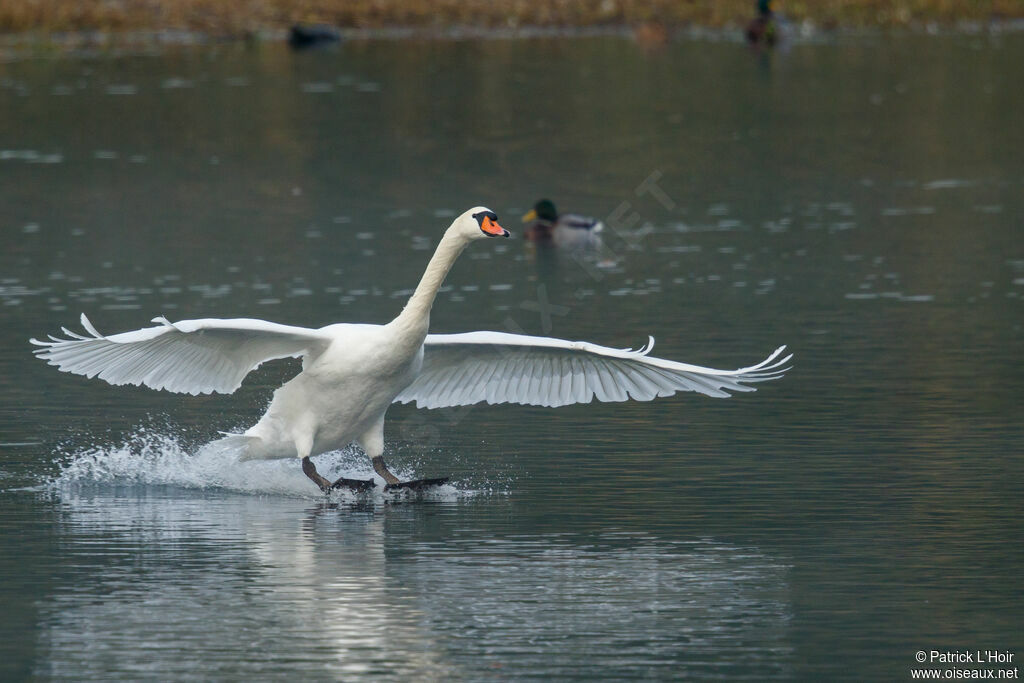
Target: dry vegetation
237 17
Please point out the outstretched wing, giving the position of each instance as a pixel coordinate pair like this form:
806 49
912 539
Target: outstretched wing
189 357
496 367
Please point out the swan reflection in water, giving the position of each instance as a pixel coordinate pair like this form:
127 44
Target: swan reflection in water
208 585
169 582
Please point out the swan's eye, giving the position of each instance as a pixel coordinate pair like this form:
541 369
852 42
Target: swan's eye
485 214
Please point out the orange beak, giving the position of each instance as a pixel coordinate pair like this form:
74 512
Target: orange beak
491 227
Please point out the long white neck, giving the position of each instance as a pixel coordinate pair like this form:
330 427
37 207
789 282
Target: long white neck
415 317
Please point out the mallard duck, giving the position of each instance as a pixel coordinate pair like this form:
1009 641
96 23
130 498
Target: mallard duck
352 373
762 28
568 230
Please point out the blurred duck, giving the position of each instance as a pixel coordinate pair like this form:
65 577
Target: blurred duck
568 231
762 28
650 35
302 36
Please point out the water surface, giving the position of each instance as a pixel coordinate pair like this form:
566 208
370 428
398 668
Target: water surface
859 201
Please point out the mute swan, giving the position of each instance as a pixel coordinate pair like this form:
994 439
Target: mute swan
351 373
568 230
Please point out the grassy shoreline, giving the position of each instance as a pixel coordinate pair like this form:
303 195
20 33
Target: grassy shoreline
267 18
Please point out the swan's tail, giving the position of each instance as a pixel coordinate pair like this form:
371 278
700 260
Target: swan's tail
243 446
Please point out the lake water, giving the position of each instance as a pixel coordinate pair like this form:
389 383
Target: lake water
859 200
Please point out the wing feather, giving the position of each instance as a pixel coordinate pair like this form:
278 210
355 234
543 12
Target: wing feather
515 379
612 383
539 372
496 367
597 379
189 356
564 384
581 392
634 384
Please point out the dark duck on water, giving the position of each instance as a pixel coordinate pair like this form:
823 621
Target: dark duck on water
762 29
567 230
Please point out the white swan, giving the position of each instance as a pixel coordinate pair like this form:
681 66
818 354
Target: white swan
352 373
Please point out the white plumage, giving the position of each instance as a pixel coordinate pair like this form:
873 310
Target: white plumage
496 367
351 373
187 357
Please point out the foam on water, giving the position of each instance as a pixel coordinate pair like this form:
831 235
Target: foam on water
157 458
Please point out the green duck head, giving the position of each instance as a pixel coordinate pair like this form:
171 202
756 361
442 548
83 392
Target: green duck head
543 210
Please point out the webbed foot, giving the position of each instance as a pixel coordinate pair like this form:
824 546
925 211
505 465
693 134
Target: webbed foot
353 484
393 483
416 484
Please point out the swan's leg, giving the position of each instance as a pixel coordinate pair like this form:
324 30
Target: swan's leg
304 445
341 482
309 469
373 444
381 468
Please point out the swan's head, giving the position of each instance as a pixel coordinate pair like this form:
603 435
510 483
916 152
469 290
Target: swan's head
479 222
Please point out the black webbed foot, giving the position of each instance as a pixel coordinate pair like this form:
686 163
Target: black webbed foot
353 484
416 484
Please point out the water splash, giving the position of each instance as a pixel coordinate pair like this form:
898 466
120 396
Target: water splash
160 458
